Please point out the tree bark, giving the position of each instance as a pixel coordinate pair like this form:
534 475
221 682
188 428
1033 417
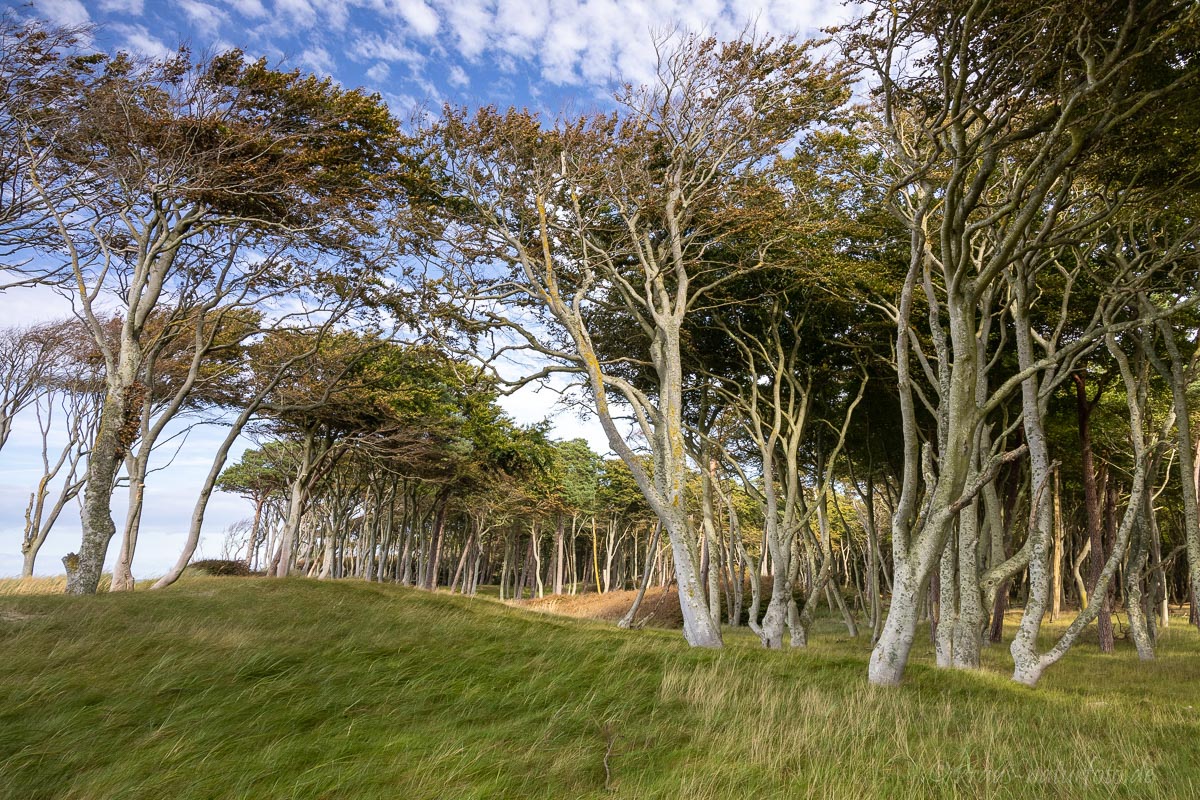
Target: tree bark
1092 504
117 425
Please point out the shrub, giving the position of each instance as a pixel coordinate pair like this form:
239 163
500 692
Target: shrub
217 566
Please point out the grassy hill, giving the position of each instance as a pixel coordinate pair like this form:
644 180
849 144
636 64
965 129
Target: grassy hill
225 687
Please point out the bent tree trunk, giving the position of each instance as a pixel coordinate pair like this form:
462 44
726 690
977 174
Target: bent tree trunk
630 615
1028 663
1177 375
198 511
117 425
890 654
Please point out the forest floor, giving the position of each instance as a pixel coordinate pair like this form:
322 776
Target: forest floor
659 609
253 688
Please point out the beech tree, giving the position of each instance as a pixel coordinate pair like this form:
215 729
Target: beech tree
986 112
196 182
68 376
628 213
29 358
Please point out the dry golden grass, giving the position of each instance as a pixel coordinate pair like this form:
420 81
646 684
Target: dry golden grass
659 609
54 585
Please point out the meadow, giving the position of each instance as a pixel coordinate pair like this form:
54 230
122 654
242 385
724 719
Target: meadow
255 688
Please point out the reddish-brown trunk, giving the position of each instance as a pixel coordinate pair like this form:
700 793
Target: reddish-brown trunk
1091 495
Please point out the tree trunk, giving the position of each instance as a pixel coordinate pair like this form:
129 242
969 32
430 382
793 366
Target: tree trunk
1092 504
117 426
890 655
1139 630
296 500
559 532
1056 566
435 544
631 615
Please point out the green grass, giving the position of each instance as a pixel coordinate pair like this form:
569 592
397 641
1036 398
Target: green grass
226 687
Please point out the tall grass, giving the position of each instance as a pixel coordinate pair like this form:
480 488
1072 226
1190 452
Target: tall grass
297 689
36 585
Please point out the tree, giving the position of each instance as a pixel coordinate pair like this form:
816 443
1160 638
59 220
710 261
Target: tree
40 66
29 358
627 215
987 112
66 405
196 182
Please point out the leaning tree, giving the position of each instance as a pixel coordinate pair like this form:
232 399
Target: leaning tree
194 185
563 227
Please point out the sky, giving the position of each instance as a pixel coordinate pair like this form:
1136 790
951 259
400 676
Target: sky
554 56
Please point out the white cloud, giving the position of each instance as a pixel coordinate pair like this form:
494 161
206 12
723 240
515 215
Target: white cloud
421 18
379 71
374 46
134 7
63 12
457 76
137 39
295 13
590 42
317 59
252 9
522 22
206 19
470 23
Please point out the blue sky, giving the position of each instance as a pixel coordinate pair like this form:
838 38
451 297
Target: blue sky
551 55
539 53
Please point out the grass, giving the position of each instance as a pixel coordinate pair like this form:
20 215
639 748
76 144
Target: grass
54 585
251 688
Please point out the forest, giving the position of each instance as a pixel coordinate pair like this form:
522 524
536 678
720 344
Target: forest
895 329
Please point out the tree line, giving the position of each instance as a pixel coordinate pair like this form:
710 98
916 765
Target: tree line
901 322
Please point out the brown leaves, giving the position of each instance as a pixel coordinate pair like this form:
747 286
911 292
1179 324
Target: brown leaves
248 145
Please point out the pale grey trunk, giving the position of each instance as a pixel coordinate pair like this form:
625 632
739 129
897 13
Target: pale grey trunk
967 635
297 497
330 544
947 606
918 538
708 467
39 524
698 626
115 428
122 578
559 532
1189 458
1056 565
1028 664
959 639
890 654
1139 629
536 545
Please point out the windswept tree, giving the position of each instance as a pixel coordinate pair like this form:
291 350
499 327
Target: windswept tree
197 185
30 358
562 228
41 64
988 111
69 378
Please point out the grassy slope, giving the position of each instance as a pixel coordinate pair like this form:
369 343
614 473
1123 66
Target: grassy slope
251 688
